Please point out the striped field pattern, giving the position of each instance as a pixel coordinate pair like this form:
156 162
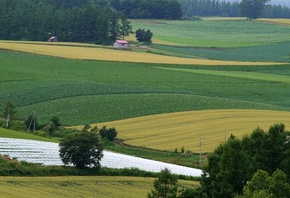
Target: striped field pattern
186 129
91 53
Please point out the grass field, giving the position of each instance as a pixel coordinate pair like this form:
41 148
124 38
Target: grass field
6 133
102 187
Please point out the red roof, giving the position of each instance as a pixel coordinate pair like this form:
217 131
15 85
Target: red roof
122 41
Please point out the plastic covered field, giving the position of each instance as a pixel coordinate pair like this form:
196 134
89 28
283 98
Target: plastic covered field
47 153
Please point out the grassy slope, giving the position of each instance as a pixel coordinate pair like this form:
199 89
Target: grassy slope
130 187
6 133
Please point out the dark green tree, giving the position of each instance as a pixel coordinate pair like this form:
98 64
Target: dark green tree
252 9
262 185
192 192
110 133
143 35
9 112
31 122
82 149
233 163
55 123
227 171
125 26
165 186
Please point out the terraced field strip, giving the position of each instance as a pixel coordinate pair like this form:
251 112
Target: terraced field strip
279 21
94 186
236 74
184 129
223 18
90 53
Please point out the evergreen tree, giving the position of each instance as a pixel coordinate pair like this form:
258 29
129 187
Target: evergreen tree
252 9
9 112
165 186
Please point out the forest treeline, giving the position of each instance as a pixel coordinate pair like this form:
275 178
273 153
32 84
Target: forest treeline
95 21
192 8
98 21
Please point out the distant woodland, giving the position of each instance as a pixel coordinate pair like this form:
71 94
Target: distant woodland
97 21
191 8
93 21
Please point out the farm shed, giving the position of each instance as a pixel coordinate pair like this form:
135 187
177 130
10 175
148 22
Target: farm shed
121 44
53 39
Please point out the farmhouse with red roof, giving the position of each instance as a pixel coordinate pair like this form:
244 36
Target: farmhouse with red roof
121 44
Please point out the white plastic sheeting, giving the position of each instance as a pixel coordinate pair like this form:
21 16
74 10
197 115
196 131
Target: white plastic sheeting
47 153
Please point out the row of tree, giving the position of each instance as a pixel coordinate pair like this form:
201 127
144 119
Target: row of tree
234 163
256 166
22 20
248 8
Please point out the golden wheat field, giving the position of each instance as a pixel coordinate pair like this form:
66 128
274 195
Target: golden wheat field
280 21
185 129
89 186
107 54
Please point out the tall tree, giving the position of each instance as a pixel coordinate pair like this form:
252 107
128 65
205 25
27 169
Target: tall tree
9 112
252 9
125 26
165 186
265 186
233 163
82 149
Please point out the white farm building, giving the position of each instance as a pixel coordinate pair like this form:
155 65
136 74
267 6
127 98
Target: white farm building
121 44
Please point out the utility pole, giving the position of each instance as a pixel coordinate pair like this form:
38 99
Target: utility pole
200 144
33 121
7 121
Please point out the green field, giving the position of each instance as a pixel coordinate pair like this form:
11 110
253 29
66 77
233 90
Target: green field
235 40
94 186
80 91
216 33
94 91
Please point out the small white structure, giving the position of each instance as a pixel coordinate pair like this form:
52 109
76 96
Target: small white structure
53 39
121 44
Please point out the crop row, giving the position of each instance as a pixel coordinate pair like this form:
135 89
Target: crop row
81 92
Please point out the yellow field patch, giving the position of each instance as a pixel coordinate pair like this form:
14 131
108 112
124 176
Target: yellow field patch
95 53
185 129
222 18
280 21
86 186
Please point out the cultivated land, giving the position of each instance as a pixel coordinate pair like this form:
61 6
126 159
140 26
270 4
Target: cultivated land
95 186
96 91
184 129
151 103
89 53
